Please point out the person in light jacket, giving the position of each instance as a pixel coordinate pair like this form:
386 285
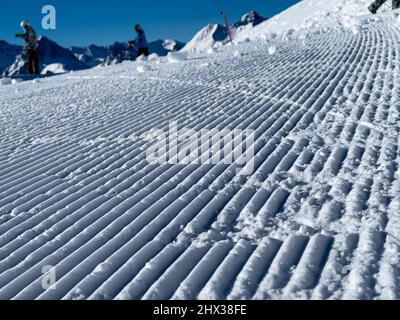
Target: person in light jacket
31 47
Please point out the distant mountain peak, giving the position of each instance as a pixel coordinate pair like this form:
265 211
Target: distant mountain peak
212 34
251 18
207 37
8 52
117 52
54 57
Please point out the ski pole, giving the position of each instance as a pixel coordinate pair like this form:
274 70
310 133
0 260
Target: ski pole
227 25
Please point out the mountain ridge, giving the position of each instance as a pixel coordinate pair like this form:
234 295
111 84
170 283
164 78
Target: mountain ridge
76 58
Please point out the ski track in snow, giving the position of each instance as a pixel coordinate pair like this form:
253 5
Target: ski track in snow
318 218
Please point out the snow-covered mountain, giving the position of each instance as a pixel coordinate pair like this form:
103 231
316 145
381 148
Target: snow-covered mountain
8 52
54 57
217 34
207 37
315 15
50 53
163 47
94 55
251 18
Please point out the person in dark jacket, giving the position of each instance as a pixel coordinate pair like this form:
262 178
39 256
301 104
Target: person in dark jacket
140 43
378 3
30 47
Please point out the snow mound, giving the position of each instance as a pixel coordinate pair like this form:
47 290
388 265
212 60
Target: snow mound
153 57
272 50
54 68
16 80
142 68
174 57
141 58
211 51
5 81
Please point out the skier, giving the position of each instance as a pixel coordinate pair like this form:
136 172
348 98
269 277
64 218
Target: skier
140 42
378 3
30 47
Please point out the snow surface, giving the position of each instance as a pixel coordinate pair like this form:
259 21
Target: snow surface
54 68
5 81
174 57
318 219
315 15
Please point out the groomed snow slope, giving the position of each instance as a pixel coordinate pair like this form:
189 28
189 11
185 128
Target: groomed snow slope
319 218
315 15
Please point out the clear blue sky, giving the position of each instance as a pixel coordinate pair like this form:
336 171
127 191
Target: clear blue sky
83 22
